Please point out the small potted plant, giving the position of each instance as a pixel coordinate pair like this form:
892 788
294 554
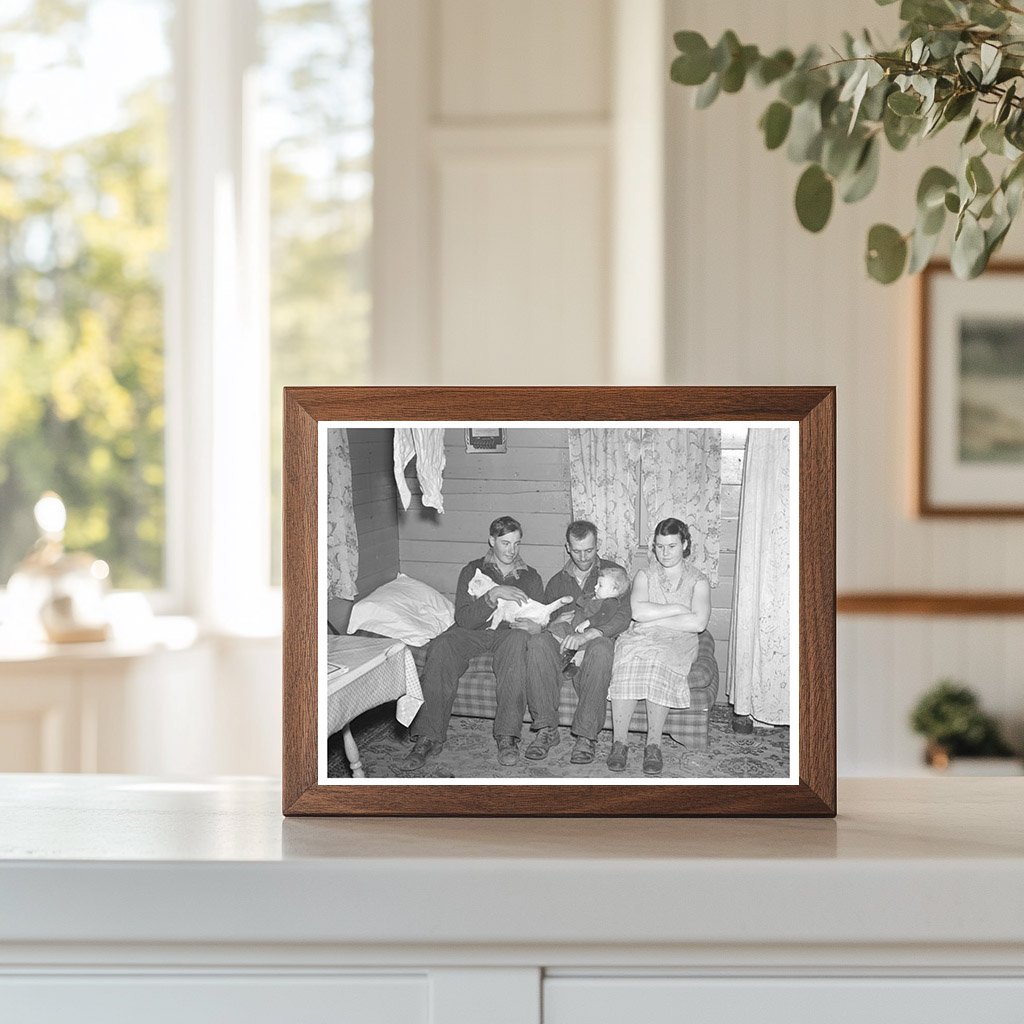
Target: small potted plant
950 717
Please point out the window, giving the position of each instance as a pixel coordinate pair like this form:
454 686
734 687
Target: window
83 236
317 118
185 221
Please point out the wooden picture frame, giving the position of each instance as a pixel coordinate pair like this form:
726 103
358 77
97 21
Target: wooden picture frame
970 446
807 412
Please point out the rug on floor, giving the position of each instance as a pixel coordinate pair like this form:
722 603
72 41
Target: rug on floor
469 752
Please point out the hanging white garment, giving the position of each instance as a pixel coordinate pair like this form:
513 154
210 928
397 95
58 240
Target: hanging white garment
427 444
759 640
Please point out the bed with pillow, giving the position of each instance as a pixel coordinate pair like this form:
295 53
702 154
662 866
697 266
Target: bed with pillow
409 610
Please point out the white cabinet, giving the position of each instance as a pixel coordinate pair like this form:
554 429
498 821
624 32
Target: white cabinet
205 999
824 1000
128 898
94 708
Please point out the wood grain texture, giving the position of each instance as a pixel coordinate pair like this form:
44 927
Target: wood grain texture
924 603
299 596
812 407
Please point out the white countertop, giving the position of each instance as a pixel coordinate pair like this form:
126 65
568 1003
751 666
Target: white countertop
123 859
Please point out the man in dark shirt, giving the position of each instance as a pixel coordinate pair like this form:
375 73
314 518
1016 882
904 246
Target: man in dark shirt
546 654
449 654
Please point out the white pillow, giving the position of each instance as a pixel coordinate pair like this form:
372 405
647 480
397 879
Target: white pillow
404 609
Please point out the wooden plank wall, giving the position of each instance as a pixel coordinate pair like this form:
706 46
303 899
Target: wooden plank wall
529 481
375 497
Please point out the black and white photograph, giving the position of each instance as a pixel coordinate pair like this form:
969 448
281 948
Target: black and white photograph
597 603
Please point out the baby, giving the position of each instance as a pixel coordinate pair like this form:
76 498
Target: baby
596 611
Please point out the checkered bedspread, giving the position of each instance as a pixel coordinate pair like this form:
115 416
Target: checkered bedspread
363 673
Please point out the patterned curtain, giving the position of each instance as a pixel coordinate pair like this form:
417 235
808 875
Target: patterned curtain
342 543
758 677
682 477
604 471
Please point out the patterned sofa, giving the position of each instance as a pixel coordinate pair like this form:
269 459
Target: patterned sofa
688 726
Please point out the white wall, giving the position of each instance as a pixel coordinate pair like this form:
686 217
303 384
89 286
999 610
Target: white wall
754 299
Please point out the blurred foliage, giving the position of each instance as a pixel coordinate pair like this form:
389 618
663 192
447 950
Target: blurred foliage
82 229
957 61
83 238
949 715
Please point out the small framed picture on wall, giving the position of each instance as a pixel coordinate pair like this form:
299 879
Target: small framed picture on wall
970 445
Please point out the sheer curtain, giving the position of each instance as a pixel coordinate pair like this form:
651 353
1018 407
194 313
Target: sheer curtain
342 542
758 678
682 477
604 473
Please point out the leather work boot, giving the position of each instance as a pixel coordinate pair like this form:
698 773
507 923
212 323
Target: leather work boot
508 750
542 743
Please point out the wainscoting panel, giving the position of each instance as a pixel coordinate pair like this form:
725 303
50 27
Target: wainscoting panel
523 241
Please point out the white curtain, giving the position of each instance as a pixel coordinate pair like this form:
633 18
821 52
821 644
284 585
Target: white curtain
342 542
604 471
758 678
682 477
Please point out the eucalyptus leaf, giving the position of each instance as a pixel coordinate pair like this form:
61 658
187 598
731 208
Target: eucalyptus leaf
987 15
814 195
873 106
865 174
931 190
794 88
886 253
1005 104
805 133
993 138
978 176
932 221
903 103
707 93
724 51
840 152
775 123
968 247
958 105
991 60
771 69
735 74
922 248
952 202
973 129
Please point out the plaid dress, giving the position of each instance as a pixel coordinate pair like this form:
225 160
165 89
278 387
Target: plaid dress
652 662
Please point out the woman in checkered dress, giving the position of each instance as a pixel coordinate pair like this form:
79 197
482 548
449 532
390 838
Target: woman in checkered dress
671 604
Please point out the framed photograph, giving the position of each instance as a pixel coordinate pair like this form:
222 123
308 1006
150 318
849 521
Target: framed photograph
970 451
630 610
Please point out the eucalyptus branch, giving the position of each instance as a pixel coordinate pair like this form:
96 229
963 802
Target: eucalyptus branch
833 118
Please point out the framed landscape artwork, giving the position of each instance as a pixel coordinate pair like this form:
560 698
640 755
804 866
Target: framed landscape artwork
970 451
559 601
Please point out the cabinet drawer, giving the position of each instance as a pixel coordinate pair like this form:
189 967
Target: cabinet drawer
568 1000
223 999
